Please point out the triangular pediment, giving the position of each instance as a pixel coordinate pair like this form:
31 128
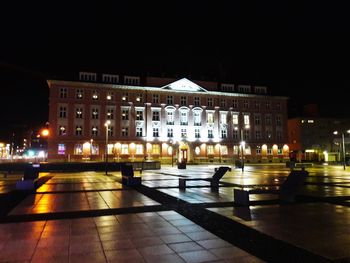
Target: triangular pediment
184 85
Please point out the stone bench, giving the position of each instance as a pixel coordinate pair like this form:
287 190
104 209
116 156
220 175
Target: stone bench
214 180
30 177
128 177
286 192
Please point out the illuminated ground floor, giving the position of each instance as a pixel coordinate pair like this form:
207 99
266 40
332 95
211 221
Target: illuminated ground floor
167 152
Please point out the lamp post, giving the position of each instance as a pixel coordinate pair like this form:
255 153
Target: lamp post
91 140
107 123
343 145
243 146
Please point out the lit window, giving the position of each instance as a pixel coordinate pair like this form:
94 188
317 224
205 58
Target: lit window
310 121
94 131
183 118
110 96
223 150
139 97
197 118
62 130
125 149
223 117
125 131
197 150
78 130
125 114
210 117
78 149
125 96
110 114
139 132
139 115
61 148
155 149
110 130
210 149
170 118
79 94
94 114
235 149
235 119
79 113
139 149
258 151
246 120
95 95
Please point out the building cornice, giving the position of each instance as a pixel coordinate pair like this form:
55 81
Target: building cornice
79 84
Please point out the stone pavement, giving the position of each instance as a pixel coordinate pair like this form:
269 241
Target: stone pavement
90 217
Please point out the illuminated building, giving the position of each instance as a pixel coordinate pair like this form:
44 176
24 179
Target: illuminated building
164 119
312 138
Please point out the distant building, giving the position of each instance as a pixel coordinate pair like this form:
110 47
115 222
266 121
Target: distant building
164 119
313 138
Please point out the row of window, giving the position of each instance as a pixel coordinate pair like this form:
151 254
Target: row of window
133 80
197 116
184 100
109 78
138 149
62 131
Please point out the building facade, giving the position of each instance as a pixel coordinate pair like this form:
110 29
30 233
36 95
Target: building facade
314 139
164 119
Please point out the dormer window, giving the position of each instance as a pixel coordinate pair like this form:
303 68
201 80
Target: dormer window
87 76
131 80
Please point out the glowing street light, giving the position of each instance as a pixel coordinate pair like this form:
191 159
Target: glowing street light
343 145
107 123
243 146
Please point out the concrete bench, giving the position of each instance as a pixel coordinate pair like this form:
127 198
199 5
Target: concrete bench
287 191
214 180
128 177
30 177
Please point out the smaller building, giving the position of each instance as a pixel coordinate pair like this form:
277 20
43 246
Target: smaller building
313 138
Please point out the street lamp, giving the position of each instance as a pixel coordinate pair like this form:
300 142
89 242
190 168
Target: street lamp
243 146
343 145
107 123
91 141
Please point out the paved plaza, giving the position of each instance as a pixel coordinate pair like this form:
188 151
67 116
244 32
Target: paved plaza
91 217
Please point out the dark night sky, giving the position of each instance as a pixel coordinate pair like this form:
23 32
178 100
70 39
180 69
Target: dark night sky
298 50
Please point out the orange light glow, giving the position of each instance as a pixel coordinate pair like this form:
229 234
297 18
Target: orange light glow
45 132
